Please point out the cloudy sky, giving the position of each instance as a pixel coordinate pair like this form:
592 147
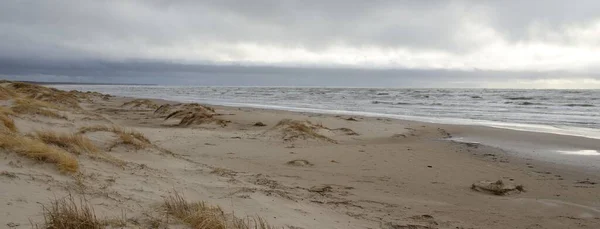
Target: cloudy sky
530 44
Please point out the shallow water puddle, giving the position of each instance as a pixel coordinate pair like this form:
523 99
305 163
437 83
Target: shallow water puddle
580 152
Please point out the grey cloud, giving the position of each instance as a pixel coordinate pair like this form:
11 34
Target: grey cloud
84 39
62 28
514 18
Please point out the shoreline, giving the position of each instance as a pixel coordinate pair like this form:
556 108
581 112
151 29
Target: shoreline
497 137
293 169
538 128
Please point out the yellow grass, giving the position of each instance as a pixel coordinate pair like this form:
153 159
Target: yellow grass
130 137
35 107
293 129
38 150
141 102
49 95
6 93
66 213
8 122
199 215
74 143
201 118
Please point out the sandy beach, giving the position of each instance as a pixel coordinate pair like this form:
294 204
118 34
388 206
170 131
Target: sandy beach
294 170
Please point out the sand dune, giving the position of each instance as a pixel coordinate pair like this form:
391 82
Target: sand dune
110 162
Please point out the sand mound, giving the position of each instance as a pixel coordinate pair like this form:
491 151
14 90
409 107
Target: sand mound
50 95
344 131
36 149
190 114
8 124
6 93
36 107
143 104
291 130
499 187
181 110
299 162
202 118
122 136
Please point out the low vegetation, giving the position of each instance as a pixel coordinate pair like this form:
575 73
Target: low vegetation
66 213
7 122
293 129
140 103
74 143
180 110
202 118
190 114
6 93
199 215
299 162
36 107
38 150
46 94
128 137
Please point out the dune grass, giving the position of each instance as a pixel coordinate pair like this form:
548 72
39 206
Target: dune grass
46 94
294 129
6 93
128 137
38 150
74 143
66 213
199 215
141 103
114 129
36 107
8 122
201 118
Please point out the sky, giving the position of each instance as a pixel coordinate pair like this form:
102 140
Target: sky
483 43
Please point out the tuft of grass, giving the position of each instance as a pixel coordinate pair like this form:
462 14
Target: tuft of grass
115 129
74 143
199 215
6 93
66 213
129 137
46 94
201 118
141 103
294 129
299 162
8 122
38 150
31 106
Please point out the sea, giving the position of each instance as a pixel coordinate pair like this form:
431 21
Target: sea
568 112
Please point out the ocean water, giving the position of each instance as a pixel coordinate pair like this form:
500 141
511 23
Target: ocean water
570 112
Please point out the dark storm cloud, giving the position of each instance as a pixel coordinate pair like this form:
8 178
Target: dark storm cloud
144 72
